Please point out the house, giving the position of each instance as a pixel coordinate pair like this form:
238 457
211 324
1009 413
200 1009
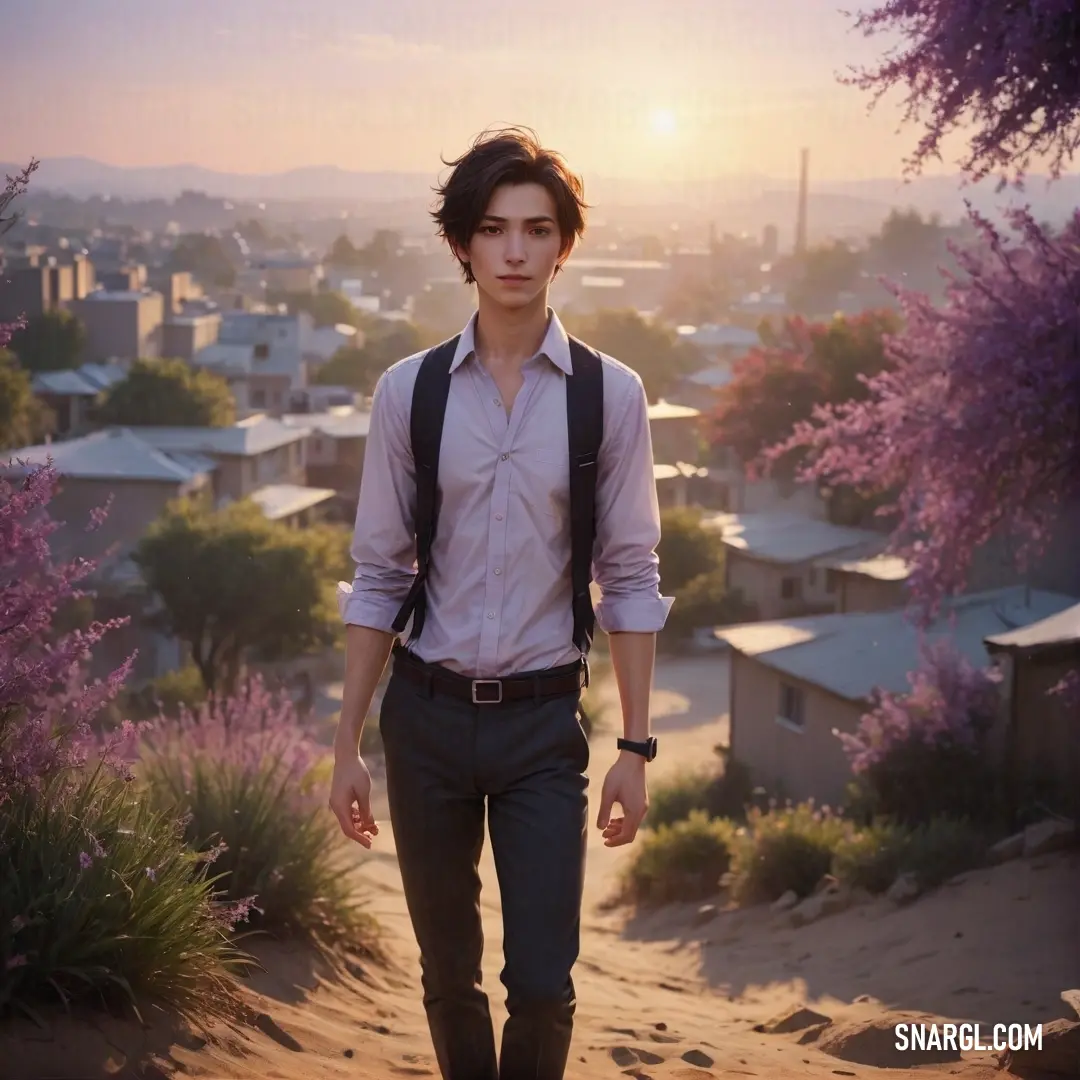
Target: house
681 485
747 494
774 559
1041 728
258 457
318 344
118 465
71 393
794 683
877 583
134 482
260 354
722 345
335 452
119 325
675 432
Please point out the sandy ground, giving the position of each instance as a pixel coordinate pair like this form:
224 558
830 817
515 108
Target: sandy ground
661 995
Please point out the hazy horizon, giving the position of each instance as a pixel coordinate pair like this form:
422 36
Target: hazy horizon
622 89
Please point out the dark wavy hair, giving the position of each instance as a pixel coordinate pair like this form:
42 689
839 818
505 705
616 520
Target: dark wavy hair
507 156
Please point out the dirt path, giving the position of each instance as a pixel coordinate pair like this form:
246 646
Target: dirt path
666 996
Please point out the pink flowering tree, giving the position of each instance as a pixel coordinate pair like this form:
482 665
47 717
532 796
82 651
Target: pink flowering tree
1011 71
922 754
976 424
14 187
978 420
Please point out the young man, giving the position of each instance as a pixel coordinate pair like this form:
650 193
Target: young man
481 709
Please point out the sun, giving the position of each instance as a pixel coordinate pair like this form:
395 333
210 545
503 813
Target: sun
662 121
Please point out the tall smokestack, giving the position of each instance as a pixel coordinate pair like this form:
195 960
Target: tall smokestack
800 221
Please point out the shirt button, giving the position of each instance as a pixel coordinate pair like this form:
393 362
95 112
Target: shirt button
498 571
498 517
505 457
491 614
495 401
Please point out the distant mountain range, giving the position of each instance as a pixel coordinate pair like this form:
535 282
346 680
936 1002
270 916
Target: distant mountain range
857 200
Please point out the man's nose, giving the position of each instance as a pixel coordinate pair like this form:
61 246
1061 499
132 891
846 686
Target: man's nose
515 247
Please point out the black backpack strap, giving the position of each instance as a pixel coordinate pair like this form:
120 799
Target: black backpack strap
585 430
430 393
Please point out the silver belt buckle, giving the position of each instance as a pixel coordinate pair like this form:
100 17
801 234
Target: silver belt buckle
487 682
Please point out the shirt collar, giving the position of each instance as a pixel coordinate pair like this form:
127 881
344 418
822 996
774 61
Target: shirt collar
555 346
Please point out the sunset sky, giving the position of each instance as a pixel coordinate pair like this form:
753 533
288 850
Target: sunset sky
683 88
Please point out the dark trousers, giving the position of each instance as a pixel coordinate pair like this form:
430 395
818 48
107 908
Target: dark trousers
527 761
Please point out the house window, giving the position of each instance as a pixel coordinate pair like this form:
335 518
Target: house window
262 352
832 581
790 588
811 576
792 711
258 399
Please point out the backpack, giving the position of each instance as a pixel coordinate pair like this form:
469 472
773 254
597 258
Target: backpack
585 429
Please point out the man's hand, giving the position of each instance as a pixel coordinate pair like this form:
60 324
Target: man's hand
350 798
625 785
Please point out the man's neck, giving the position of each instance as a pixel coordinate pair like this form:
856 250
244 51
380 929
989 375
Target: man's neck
508 338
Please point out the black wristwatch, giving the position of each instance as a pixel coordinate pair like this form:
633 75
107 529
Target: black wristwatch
646 749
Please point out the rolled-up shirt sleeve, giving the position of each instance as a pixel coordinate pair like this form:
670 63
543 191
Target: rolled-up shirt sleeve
625 564
384 542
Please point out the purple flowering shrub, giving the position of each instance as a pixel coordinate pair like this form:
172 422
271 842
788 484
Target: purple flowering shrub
100 897
46 705
239 771
922 754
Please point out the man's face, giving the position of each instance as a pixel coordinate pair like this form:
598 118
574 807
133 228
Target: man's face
516 247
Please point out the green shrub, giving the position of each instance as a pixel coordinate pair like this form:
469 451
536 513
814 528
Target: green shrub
706 601
730 794
237 773
181 687
681 861
942 848
677 798
782 849
871 858
722 792
687 549
101 900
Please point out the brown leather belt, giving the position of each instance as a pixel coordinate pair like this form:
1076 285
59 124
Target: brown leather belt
567 679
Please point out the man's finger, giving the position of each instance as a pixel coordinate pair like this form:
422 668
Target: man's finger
348 827
603 818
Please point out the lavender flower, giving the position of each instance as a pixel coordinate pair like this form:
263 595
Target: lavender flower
950 704
46 702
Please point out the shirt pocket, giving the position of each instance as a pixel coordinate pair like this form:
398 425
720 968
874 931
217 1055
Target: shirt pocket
546 480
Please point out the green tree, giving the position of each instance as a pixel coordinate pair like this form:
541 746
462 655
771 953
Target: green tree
203 255
687 549
653 349
344 254
235 586
327 308
169 393
385 342
24 418
49 342
825 272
